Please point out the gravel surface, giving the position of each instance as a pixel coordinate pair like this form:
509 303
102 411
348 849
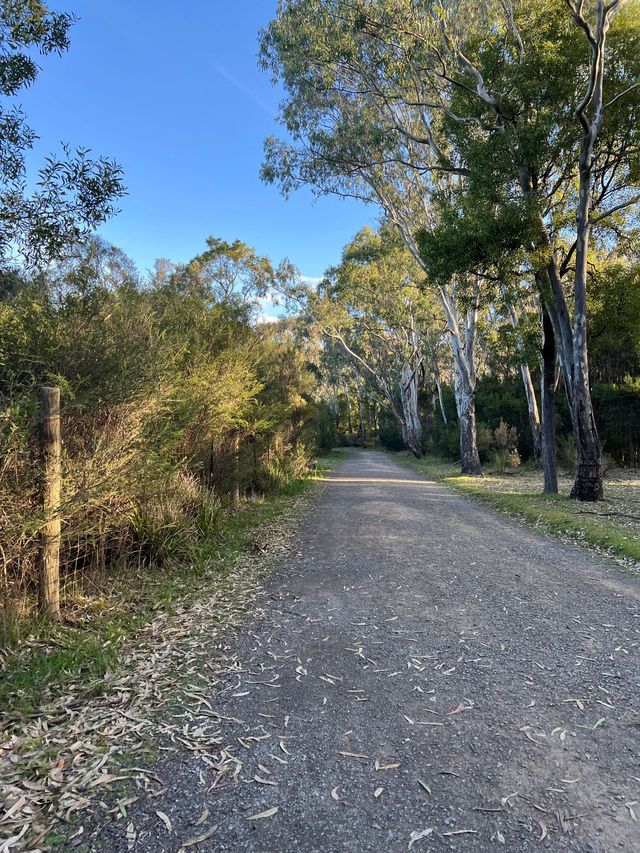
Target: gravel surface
422 674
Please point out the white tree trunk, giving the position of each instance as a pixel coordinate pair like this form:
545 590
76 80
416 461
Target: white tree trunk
411 426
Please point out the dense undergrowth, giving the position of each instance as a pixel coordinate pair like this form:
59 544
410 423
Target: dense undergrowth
182 417
45 657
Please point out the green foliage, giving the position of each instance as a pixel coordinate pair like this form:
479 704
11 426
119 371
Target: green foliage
566 453
390 435
325 427
614 320
502 448
75 193
85 648
173 399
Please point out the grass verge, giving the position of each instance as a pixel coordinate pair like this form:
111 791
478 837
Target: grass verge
45 659
611 528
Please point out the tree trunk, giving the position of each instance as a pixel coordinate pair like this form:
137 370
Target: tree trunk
469 457
588 483
49 554
529 390
534 416
441 401
465 388
411 424
549 385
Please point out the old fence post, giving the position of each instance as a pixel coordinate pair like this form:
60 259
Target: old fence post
50 452
235 487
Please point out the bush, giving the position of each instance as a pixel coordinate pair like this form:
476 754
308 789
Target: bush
502 446
566 455
390 436
169 395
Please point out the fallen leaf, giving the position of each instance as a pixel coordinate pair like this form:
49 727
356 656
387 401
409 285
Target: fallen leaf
461 832
198 839
268 813
543 829
203 817
264 781
393 766
459 709
419 834
165 819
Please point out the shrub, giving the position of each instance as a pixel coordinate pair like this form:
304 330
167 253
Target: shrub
160 383
566 455
499 446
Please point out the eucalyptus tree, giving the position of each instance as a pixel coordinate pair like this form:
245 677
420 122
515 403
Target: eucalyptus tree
354 133
541 101
235 274
470 238
373 306
74 193
387 98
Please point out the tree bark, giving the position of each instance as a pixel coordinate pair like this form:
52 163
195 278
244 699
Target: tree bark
549 385
466 407
465 384
441 400
534 416
411 424
51 454
588 484
590 114
529 390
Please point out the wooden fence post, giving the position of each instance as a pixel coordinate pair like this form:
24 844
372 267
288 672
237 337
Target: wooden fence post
235 488
50 452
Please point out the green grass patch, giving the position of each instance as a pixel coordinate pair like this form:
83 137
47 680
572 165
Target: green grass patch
558 515
45 659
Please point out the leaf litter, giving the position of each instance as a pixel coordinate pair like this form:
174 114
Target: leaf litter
57 765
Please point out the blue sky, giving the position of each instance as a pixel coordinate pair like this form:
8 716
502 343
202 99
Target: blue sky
173 92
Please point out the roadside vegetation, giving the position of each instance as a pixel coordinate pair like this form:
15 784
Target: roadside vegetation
44 659
86 703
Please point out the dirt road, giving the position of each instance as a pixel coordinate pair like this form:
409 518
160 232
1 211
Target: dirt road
421 674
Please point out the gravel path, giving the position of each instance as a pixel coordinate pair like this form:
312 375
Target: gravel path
421 673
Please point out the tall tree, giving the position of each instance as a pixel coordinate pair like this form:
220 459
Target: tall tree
74 192
342 115
374 307
507 77
397 94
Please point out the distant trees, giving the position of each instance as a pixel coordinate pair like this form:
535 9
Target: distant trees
372 306
74 193
500 139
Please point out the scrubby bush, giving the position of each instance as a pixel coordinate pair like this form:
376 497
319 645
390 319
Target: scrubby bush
566 453
173 399
503 448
